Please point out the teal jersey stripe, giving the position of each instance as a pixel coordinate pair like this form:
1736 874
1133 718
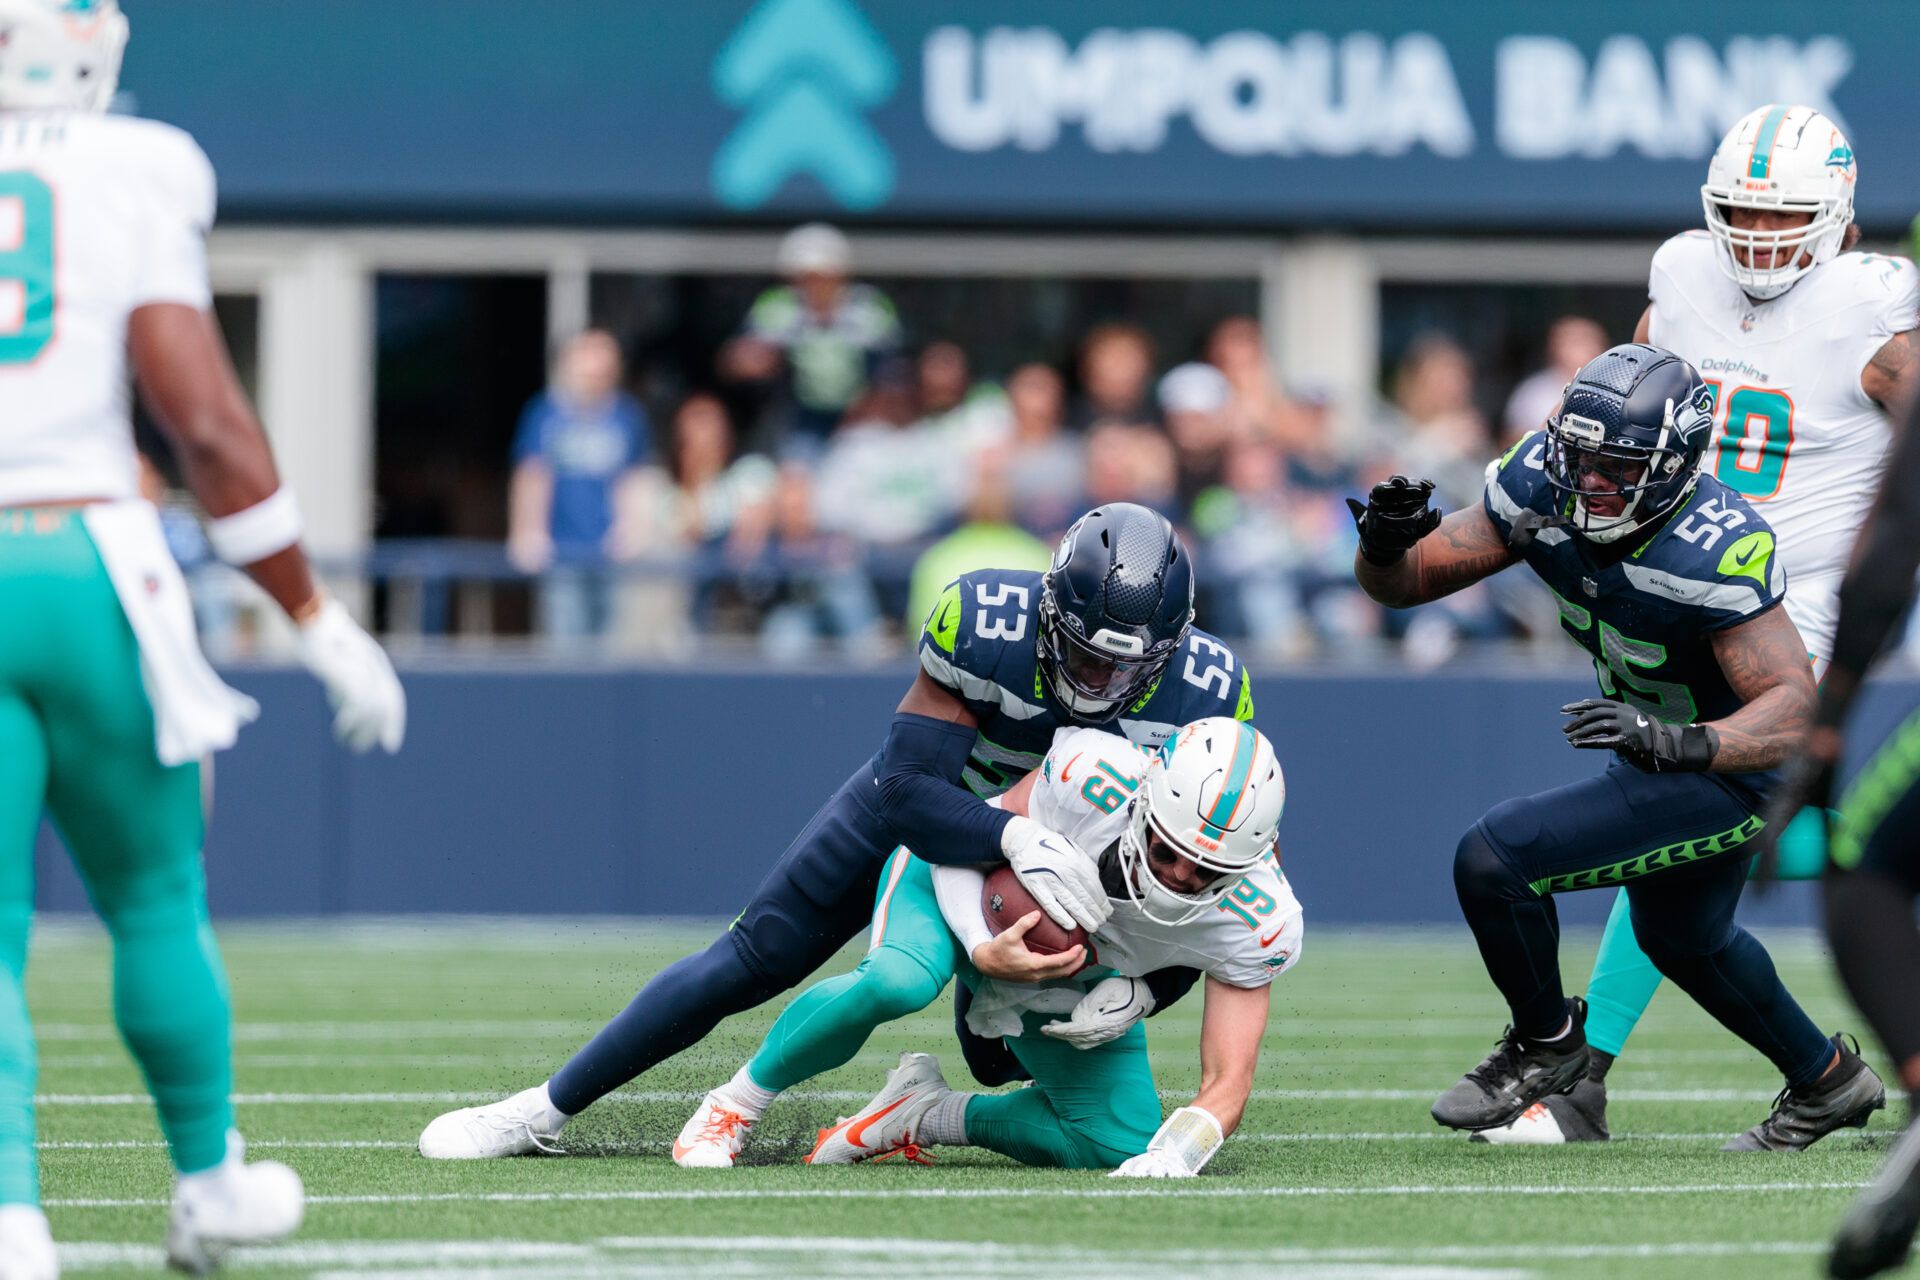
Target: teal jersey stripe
1763 145
1245 747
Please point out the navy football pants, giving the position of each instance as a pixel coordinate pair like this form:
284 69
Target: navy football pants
1680 844
818 896
1871 885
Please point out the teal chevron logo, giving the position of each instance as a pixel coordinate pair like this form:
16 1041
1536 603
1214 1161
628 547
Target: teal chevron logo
805 72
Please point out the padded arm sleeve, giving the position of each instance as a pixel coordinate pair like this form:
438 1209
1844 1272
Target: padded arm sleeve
958 891
920 798
1168 985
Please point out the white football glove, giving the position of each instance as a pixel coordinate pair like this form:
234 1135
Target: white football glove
1113 1005
1064 880
1181 1149
369 704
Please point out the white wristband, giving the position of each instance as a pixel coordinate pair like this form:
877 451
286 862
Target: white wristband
256 532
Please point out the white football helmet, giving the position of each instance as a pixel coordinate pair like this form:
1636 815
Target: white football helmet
1213 795
1787 158
60 55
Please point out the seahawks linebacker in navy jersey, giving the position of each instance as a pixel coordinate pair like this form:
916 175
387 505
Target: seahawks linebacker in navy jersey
1670 581
1104 637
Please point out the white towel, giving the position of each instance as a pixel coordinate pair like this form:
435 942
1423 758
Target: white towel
195 713
997 1006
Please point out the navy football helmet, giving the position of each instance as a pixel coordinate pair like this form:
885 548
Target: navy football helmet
1113 608
1624 444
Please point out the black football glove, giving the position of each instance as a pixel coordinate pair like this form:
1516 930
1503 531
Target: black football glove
1396 516
1805 779
1643 741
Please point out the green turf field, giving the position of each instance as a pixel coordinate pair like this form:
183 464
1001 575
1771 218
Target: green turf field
353 1037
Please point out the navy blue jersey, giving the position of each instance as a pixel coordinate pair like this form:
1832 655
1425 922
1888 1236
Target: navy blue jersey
981 643
1648 619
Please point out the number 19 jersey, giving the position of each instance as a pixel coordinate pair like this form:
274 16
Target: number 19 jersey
99 215
1795 433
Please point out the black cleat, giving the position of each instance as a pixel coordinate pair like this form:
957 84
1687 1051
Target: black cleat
1516 1075
1877 1233
1841 1099
1578 1115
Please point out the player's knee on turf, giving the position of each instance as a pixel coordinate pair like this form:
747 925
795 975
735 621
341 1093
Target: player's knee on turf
1481 873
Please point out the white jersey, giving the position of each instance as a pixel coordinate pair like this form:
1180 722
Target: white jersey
99 215
1796 434
1250 939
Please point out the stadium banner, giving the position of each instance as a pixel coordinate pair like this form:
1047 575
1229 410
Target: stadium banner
672 792
1499 114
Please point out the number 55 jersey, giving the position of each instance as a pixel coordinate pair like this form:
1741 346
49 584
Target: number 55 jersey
1795 433
981 643
1648 619
99 215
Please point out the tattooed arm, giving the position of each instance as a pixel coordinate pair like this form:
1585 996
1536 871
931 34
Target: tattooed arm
1464 549
1765 661
1891 378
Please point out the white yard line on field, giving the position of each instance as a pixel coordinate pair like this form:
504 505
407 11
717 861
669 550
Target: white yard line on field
1211 1191
308 1253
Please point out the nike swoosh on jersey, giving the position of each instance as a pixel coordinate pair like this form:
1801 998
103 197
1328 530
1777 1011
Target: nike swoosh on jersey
1069 766
1269 939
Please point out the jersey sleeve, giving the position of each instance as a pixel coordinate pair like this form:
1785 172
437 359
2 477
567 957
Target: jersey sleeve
1672 263
179 212
1733 573
940 638
1263 929
1516 482
1893 287
1084 785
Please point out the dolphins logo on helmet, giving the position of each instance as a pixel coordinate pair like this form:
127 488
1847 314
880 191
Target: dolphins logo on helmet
1212 796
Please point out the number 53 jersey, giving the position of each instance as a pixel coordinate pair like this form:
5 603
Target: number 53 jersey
99 215
1795 434
1648 620
981 643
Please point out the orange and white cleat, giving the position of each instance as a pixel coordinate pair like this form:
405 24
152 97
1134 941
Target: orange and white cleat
713 1136
888 1125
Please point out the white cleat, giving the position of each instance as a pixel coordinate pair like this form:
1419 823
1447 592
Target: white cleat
1579 1115
518 1126
236 1204
1535 1127
26 1244
887 1125
713 1136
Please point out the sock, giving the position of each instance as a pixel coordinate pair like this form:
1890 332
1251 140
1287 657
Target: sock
1599 1062
214 1175
542 1098
945 1124
753 1100
1565 1030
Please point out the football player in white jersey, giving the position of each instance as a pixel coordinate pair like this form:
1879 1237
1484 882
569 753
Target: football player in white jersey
1188 859
106 705
1810 349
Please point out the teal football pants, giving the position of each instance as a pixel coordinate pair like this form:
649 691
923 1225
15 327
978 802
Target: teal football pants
1087 1109
76 739
1624 980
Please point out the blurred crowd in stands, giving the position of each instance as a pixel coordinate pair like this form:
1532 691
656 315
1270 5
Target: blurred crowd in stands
842 465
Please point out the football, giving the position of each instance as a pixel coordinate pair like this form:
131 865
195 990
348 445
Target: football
1004 900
